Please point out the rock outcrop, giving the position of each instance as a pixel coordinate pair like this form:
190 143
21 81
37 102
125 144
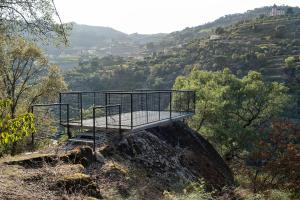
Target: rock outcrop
177 149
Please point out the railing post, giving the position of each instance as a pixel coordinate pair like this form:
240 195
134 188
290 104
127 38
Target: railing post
120 121
131 110
94 130
170 104
121 100
158 105
68 119
60 109
94 98
106 117
81 117
106 98
32 133
188 103
147 107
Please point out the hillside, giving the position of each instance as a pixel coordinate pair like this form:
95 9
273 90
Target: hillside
188 34
87 41
210 112
269 45
95 41
263 44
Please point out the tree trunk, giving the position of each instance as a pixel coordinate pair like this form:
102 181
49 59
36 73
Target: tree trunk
14 149
14 144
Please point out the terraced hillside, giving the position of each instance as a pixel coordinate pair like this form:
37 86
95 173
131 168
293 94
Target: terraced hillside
269 45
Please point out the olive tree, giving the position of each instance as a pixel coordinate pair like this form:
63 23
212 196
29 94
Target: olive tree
230 110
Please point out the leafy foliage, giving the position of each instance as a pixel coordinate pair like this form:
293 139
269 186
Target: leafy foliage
109 73
14 129
26 79
276 159
27 76
36 18
229 110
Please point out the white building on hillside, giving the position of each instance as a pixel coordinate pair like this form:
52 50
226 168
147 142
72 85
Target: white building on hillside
276 11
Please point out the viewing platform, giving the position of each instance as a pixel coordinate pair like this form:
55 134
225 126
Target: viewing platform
96 112
134 110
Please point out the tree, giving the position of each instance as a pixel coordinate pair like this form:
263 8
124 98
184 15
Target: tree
289 61
26 78
219 31
230 110
276 158
280 30
13 129
35 17
150 46
26 74
289 11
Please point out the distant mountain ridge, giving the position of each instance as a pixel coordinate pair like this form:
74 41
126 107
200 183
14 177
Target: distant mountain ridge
87 36
97 41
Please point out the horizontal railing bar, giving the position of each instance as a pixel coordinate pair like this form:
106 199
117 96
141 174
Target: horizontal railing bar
149 92
91 92
107 106
137 91
50 104
164 90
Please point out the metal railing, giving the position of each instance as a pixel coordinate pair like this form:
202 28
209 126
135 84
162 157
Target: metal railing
60 112
148 105
108 114
152 106
133 109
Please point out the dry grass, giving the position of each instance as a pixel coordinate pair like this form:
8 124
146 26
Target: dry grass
18 182
115 179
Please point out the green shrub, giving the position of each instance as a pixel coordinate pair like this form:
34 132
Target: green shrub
279 195
194 191
219 31
280 31
289 61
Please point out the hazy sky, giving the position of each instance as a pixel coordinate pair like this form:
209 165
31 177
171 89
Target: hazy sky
155 16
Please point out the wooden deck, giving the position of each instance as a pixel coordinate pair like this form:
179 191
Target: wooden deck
140 120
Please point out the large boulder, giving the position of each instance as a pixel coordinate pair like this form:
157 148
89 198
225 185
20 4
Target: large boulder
177 149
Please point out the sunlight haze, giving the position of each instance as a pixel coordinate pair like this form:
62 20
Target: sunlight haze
155 16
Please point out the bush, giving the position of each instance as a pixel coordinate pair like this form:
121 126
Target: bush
280 31
219 31
194 191
289 61
276 159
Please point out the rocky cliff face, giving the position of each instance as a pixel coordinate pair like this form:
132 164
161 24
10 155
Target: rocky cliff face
158 163
176 149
